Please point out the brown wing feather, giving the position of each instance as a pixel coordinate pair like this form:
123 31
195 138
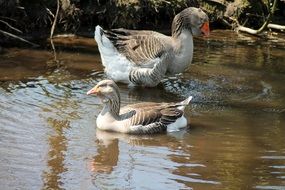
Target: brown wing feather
140 47
147 113
170 115
150 118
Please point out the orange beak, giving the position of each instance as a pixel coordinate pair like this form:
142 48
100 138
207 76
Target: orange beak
205 29
94 90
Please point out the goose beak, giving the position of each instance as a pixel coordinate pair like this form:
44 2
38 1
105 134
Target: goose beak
94 90
205 29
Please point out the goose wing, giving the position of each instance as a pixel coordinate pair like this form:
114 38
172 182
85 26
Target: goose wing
140 47
149 118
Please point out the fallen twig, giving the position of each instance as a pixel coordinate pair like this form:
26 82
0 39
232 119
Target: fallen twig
19 38
4 17
13 28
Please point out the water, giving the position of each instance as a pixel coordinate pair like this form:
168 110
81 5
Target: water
235 140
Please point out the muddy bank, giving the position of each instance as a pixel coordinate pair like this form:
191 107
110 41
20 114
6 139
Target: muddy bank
33 19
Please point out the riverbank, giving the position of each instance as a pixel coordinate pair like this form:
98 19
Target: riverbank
33 20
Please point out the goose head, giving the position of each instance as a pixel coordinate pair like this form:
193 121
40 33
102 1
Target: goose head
106 90
193 19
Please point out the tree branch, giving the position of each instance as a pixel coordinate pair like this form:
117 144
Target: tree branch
52 31
54 21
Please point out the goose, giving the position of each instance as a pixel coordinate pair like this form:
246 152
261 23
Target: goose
143 57
140 118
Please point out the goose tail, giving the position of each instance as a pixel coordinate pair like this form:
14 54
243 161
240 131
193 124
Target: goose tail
98 33
102 41
184 103
187 100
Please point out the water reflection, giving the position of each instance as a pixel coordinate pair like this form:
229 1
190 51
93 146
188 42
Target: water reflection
57 149
107 154
235 140
144 154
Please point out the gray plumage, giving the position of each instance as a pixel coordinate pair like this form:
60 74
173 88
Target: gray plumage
140 47
151 54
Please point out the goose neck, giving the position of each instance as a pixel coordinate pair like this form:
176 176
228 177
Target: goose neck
112 106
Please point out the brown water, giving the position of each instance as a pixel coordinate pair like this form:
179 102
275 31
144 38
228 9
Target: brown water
236 137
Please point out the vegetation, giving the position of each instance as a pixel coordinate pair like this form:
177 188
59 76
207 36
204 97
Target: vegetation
32 18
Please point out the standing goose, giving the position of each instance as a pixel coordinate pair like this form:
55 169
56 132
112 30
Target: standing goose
141 118
144 57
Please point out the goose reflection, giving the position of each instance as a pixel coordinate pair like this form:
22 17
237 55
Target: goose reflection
149 153
107 155
107 144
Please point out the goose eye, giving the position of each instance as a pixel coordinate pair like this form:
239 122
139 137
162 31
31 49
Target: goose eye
102 86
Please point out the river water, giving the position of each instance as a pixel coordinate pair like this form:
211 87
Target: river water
235 139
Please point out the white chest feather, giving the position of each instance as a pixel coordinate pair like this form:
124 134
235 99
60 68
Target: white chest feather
108 123
104 122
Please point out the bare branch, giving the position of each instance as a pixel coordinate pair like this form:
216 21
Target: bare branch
55 20
13 28
19 38
4 17
49 12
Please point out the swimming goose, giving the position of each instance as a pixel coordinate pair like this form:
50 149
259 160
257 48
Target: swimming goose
144 57
140 118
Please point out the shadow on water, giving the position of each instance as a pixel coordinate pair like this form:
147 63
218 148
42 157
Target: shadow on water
235 139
